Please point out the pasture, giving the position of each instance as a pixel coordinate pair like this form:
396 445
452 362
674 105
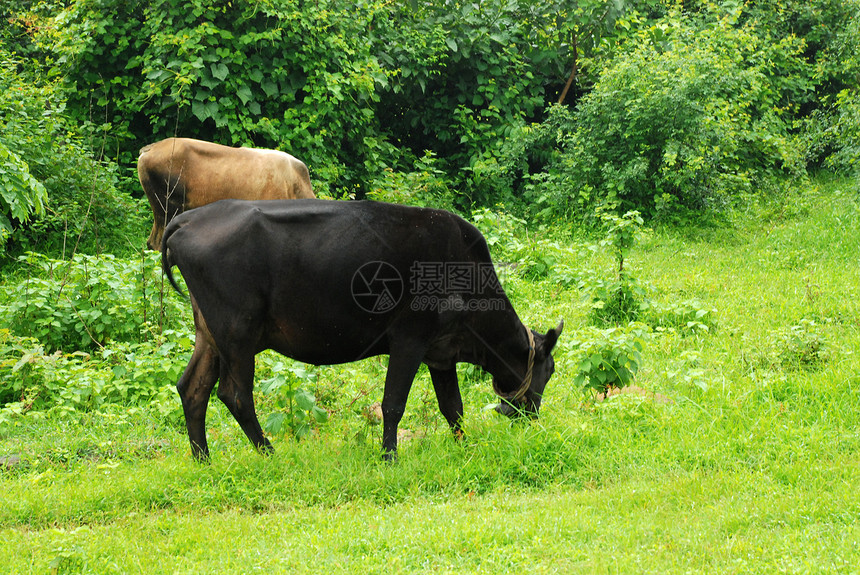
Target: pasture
737 452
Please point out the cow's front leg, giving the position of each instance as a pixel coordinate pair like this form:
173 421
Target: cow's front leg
194 387
236 390
402 366
448 396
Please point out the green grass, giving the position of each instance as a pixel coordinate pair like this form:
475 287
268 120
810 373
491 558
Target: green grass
750 465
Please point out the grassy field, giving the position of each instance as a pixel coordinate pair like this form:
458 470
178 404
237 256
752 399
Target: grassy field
741 454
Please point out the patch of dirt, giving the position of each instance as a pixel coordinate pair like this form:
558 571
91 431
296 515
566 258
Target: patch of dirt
373 414
635 390
10 461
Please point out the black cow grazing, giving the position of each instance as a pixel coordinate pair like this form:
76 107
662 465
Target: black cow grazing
328 282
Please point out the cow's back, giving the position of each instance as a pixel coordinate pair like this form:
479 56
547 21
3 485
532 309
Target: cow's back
321 233
179 174
306 260
206 172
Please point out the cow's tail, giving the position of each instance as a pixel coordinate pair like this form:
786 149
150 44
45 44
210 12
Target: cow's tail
166 262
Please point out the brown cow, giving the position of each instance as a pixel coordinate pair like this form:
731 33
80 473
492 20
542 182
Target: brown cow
179 174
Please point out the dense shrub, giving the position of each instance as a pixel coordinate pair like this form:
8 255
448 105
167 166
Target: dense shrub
844 133
128 374
688 118
680 109
351 88
48 172
84 303
290 75
463 75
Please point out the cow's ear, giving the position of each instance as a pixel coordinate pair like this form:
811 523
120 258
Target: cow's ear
551 337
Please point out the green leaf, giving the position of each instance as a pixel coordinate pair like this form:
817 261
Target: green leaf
220 71
244 93
304 399
302 431
200 110
272 384
270 88
320 415
275 422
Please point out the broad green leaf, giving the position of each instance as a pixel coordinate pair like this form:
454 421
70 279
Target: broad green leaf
199 110
270 88
320 414
244 93
220 71
275 422
304 399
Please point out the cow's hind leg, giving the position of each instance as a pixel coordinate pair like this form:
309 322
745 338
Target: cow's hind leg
448 396
236 390
194 388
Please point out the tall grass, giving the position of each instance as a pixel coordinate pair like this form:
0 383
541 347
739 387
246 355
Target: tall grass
740 456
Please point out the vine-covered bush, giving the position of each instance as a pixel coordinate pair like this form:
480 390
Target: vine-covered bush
297 76
350 88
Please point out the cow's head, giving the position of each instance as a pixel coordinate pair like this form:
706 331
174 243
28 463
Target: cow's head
526 399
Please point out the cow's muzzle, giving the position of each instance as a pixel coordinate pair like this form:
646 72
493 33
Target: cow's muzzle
525 407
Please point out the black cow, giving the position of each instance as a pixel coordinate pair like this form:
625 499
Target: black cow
328 282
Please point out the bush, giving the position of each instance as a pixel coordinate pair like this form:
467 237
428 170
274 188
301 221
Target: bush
620 299
608 358
464 76
296 407
616 301
33 379
799 347
516 251
54 195
84 303
425 186
689 118
685 316
845 133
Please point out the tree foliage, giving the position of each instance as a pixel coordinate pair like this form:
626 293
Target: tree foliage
53 194
691 116
666 106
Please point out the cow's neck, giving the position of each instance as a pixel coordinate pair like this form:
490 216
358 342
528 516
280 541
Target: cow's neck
501 345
